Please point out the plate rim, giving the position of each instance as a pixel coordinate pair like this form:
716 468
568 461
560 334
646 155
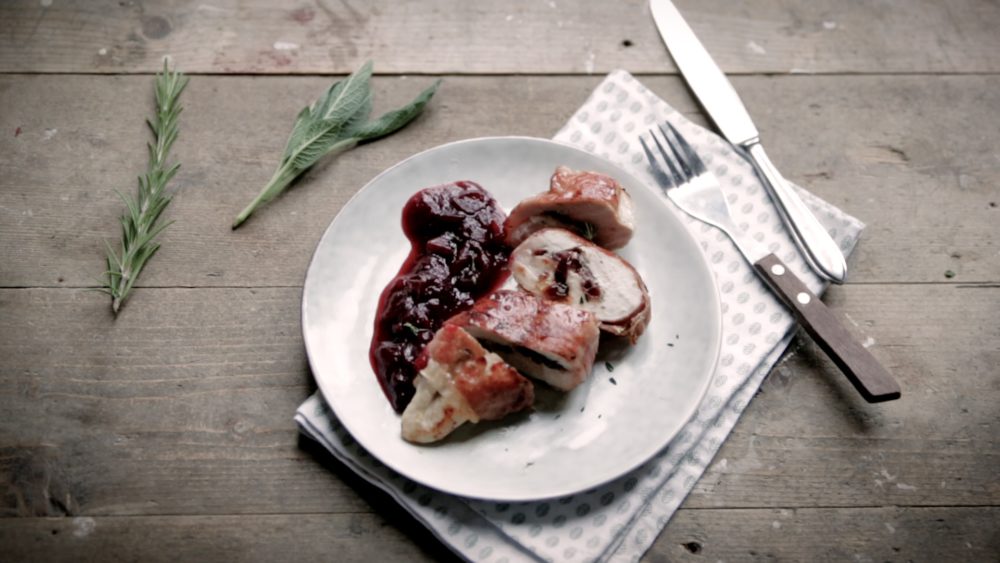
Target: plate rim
694 405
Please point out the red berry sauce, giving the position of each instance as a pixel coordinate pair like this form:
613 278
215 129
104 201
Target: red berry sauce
457 255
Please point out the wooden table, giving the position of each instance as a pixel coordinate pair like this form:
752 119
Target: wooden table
166 434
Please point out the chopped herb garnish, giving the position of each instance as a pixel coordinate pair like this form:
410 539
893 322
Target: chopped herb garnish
412 328
581 300
609 366
670 344
612 380
949 274
589 231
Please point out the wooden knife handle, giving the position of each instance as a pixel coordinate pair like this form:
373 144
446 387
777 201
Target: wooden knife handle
861 368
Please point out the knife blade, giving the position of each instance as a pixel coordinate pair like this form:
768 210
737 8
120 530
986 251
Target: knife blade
730 116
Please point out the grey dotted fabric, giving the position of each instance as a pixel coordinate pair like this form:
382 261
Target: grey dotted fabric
620 520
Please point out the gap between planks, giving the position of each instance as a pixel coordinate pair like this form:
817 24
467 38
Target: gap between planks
640 74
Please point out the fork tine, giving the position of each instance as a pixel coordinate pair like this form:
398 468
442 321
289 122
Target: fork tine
681 161
670 176
679 177
661 176
691 157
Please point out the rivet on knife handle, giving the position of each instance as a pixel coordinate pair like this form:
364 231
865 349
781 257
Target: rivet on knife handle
819 249
861 368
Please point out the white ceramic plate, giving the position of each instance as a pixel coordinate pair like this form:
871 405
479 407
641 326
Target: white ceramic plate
571 441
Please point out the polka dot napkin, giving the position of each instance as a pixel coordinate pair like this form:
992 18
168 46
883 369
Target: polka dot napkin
620 520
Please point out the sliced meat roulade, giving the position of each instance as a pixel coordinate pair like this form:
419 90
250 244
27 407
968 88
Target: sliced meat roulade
590 204
549 341
562 267
461 382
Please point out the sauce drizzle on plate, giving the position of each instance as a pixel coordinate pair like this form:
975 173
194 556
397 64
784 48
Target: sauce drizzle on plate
457 255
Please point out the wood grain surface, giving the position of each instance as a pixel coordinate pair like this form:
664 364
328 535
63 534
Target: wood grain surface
184 414
167 433
867 534
895 153
514 37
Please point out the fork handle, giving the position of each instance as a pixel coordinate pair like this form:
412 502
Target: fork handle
861 368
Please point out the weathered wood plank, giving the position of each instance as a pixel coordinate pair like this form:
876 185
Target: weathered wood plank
802 433
183 406
171 409
301 537
525 36
908 155
842 534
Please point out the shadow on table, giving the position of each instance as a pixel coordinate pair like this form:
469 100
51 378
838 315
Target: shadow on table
381 503
862 416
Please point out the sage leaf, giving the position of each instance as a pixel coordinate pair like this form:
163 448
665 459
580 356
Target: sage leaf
336 122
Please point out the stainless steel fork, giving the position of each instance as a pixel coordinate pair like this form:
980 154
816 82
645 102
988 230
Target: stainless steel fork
686 181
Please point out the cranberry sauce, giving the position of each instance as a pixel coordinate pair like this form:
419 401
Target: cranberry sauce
457 255
569 261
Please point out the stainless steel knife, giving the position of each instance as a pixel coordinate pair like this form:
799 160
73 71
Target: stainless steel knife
727 111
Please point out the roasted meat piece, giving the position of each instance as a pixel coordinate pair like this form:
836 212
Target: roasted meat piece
562 267
548 341
461 382
588 203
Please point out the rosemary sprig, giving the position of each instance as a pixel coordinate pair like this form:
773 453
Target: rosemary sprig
140 221
334 123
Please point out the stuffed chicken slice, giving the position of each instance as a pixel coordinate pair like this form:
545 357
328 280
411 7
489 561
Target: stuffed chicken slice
549 341
461 382
559 266
590 204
